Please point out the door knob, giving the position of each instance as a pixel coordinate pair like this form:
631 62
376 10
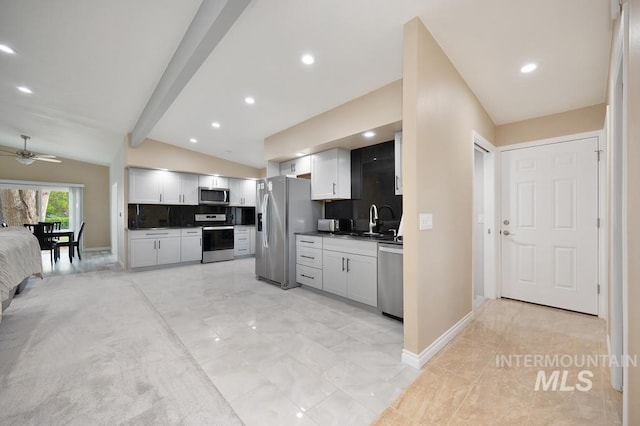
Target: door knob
507 233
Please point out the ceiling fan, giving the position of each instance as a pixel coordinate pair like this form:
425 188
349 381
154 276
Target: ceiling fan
27 157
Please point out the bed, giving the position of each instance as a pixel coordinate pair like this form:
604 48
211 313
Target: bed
20 258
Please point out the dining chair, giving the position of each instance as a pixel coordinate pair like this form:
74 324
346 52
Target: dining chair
46 243
4 225
76 243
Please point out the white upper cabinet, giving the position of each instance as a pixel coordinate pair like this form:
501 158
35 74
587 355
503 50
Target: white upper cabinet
331 175
242 192
398 159
189 189
213 181
145 186
162 187
298 166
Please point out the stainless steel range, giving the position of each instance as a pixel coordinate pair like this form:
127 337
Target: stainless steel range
217 237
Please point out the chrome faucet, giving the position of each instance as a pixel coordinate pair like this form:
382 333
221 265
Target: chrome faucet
373 217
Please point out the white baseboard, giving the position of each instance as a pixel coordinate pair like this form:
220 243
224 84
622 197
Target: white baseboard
417 361
108 248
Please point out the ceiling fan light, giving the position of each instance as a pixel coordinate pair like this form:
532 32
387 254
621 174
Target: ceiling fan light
25 161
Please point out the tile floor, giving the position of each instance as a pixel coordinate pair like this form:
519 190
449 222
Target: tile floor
465 384
277 357
297 357
91 261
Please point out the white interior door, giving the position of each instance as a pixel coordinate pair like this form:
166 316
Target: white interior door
549 225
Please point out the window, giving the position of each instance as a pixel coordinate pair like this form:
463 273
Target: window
31 202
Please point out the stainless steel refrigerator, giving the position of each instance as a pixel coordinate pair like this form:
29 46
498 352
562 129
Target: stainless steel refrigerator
284 207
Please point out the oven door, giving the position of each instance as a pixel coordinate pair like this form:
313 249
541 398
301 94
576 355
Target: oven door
217 243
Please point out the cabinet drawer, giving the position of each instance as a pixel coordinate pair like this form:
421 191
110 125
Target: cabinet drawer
243 244
241 251
191 232
237 230
364 248
158 233
309 256
309 241
309 276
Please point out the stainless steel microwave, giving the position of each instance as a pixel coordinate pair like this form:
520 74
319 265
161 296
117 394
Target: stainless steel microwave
213 196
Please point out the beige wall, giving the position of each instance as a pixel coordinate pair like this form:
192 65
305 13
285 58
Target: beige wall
439 114
632 88
565 123
380 110
96 190
157 155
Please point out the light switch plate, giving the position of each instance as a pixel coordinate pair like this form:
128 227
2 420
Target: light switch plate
426 221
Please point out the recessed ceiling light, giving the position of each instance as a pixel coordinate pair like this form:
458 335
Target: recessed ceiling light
25 89
250 100
369 134
307 59
193 140
227 151
6 49
216 175
528 68
215 124
300 154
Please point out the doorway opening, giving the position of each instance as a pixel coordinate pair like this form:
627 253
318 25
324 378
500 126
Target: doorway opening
484 257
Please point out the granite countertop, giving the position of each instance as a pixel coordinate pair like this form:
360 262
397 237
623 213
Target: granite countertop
387 239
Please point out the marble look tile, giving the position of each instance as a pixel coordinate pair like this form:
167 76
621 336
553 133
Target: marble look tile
341 409
494 401
265 405
466 358
434 397
567 408
294 380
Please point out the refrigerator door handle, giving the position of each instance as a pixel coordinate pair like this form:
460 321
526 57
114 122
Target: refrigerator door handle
265 220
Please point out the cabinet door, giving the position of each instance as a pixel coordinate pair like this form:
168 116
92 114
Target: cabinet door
189 189
249 193
398 162
221 182
191 248
171 188
334 276
143 252
286 167
236 190
302 165
362 279
324 175
145 186
168 250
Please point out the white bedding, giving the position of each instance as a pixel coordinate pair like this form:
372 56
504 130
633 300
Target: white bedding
19 258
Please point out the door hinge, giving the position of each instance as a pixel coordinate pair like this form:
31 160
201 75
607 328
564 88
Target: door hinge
598 288
598 223
598 153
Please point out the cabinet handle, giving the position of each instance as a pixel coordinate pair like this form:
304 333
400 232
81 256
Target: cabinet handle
307 257
294 167
397 183
347 259
347 264
307 276
160 197
334 189
343 263
309 242
200 241
154 245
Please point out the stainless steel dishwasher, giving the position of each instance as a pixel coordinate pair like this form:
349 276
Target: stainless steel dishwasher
390 279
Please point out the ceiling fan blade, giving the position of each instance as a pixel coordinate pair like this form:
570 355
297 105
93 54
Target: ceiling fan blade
50 160
45 156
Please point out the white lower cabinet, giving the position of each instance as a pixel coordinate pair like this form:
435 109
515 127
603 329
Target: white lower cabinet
346 267
191 245
154 247
243 240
